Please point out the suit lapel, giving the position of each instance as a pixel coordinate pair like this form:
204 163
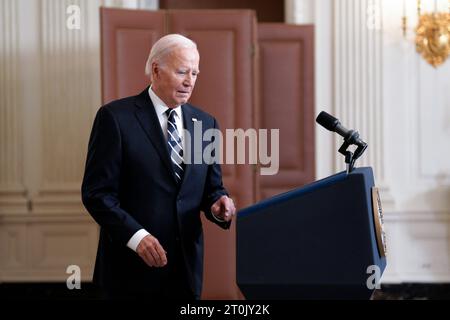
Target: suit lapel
148 119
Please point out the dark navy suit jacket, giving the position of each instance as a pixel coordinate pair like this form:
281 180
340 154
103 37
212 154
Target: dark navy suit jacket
129 184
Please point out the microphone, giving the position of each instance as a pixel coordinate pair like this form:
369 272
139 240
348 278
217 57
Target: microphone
351 137
329 122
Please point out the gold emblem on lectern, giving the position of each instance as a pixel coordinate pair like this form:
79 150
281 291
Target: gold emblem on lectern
378 221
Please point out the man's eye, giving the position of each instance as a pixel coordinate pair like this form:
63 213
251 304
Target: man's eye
181 72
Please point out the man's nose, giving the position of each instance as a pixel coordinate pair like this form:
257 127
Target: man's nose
188 80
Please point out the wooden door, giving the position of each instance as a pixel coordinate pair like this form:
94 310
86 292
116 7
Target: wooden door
286 99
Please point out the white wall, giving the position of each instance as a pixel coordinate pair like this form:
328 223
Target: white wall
371 78
417 101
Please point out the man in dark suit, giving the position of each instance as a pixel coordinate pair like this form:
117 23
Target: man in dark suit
143 193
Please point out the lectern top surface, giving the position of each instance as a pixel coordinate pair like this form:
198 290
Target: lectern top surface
303 190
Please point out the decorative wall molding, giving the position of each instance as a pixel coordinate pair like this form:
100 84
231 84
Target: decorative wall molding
13 246
12 188
418 247
49 93
417 216
417 125
41 247
71 91
349 84
70 95
13 200
324 83
358 87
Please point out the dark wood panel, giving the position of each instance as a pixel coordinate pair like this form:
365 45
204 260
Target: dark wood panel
286 98
266 10
126 39
225 89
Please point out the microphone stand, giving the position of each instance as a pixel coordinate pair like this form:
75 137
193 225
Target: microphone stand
350 157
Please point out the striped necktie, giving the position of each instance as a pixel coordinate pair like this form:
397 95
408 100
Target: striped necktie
175 148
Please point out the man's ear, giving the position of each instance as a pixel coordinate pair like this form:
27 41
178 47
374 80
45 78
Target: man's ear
155 70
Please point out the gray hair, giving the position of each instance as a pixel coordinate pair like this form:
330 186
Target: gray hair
165 45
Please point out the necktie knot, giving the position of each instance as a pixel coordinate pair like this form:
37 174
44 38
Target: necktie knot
171 115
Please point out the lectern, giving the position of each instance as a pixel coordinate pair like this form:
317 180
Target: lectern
322 241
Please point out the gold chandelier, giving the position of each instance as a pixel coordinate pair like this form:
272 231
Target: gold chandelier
432 35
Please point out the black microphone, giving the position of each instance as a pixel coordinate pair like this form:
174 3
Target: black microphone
331 123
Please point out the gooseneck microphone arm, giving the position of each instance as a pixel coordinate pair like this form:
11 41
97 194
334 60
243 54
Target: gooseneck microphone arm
351 137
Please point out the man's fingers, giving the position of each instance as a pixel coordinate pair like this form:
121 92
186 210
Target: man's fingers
148 258
158 254
215 208
229 207
154 253
144 253
162 254
224 208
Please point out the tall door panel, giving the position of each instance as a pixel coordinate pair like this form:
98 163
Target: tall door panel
127 36
225 89
286 97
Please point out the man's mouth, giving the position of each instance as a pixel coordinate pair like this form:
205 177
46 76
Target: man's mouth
183 92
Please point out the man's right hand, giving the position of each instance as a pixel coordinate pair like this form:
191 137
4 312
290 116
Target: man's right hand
151 251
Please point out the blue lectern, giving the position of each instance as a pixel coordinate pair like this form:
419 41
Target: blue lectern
322 241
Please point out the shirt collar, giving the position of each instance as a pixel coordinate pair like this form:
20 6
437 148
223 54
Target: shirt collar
159 105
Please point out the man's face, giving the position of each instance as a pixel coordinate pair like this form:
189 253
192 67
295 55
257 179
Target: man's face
174 78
